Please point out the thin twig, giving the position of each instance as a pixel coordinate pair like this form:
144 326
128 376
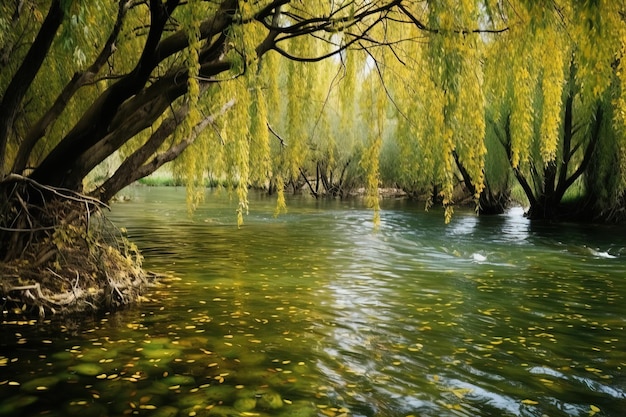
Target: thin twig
282 141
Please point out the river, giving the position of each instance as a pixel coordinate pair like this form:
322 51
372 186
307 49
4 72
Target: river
317 313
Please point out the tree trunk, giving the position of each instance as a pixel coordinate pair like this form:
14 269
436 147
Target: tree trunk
490 201
23 78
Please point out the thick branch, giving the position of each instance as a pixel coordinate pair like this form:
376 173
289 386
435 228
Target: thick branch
208 28
129 173
270 40
100 119
568 134
516 171
135 123
467 179
94 123
567 141
78 80
23 78
308 183
593 141
139 114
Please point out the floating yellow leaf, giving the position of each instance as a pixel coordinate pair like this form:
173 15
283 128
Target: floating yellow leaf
529 402
416 348
461 392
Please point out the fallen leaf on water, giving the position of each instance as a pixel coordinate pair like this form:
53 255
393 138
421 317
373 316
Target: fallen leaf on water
461 392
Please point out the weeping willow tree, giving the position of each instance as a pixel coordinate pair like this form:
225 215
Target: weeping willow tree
558 110
269 92
491 94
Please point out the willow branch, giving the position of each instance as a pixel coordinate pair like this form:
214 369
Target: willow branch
78 80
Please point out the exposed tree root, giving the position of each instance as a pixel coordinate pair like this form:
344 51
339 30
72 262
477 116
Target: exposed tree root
60 254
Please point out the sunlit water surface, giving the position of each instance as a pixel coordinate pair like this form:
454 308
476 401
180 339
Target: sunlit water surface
315 313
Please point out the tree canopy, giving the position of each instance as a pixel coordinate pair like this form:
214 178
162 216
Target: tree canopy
432 88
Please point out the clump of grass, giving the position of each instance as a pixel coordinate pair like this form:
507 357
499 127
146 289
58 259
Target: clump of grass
160 181
168 180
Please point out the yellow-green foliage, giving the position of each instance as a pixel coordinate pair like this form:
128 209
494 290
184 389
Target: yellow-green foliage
373 101
620 106
528 68
421 91
299 110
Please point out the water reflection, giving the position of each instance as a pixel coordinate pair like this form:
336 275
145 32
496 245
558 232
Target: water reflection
315 313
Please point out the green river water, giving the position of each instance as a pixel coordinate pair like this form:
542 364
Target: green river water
315 313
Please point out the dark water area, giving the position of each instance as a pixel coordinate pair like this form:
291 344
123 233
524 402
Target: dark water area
316 313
